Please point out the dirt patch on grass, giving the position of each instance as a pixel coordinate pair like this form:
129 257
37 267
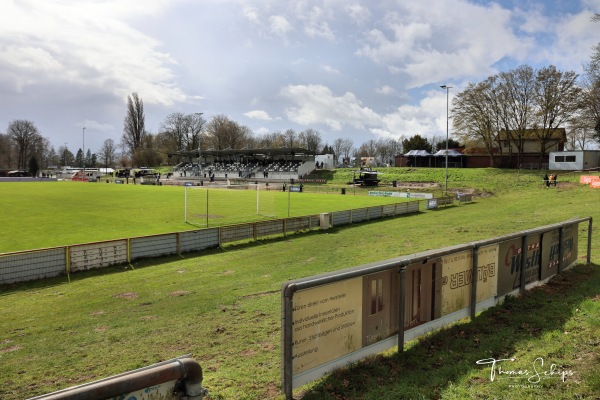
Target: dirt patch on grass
96 313
261 294
10 349
248 353
420 185
126 295
179 293
228 272
101 329
209 216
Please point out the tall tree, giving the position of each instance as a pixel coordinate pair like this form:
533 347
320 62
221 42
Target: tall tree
6 152
274 140
346 149
556 100
337 148
90 159
79 158
53 157
134 128
516 90
311 140
26 137
476 114
590 115
108 153
184 131
147 154
416 142
33 166
291 138
223 133
65 156
441 145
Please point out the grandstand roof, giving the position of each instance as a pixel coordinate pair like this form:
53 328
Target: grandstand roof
451 153
419 153
246 152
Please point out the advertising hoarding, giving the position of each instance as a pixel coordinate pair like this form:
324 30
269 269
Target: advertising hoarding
327 323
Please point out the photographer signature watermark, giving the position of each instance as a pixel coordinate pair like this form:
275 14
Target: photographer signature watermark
500 368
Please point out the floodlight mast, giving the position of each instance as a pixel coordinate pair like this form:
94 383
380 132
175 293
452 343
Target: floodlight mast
199 144
83 153
447 88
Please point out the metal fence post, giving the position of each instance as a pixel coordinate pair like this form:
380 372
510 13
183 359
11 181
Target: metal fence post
523 262
401 309
474 279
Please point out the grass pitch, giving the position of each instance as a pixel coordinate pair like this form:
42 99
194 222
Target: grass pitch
47 214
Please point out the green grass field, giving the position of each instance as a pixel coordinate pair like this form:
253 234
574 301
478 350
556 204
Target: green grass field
224 308
47 214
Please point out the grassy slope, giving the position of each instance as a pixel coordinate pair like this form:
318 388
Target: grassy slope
224 308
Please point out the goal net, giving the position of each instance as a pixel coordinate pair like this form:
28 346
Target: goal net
204 207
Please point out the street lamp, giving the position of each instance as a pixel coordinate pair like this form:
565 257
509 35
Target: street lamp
199 145
83 155
447 119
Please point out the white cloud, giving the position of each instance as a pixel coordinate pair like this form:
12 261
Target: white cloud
262 131
97 126
359 14
330 70
258 114
317 26
428 41
316 104
251 14
280 26
88 45
386 90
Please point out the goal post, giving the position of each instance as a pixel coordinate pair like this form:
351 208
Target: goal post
251 203
265 201
195 205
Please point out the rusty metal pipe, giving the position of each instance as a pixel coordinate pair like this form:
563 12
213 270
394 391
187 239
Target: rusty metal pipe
185 369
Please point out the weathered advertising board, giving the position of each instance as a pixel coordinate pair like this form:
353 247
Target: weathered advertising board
457 276
96 255
333 319
510 253
326 323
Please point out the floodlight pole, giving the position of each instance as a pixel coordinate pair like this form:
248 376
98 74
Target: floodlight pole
83 154
199 144
447 130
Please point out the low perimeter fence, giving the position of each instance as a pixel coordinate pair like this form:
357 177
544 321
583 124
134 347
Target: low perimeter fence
332 320
52 262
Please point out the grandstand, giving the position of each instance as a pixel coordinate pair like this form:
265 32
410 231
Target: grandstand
247 164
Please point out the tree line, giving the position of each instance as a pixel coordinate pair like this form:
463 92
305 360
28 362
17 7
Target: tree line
23 146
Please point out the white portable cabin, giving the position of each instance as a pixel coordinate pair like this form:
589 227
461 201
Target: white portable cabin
574 160
326 159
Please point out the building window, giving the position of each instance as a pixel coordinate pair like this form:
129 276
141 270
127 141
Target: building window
559 158
570 158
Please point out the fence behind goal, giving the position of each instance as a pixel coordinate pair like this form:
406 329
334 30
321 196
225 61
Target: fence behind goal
253 202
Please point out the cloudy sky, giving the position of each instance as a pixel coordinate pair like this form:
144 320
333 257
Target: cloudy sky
358 69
